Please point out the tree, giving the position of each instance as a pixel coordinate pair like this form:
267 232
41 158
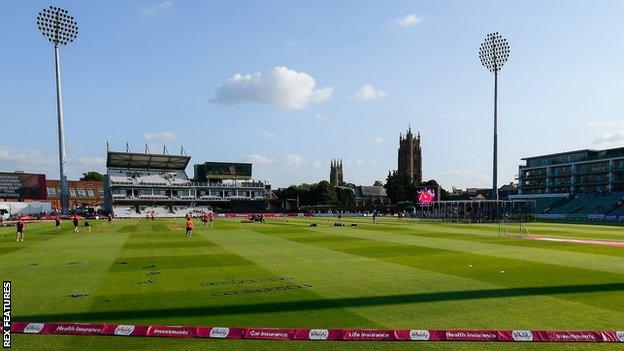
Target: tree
325 194
92 176
378 183
321 193
345 196
399 187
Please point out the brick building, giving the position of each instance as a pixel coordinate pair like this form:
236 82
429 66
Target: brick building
81 192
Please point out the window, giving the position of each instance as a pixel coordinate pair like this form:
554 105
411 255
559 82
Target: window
51 192
101 192
72 192
90 193
82 193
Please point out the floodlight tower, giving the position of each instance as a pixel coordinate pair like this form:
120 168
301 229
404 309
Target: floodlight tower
494 52
61 29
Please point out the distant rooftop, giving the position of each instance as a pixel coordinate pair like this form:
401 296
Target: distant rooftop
570 157
617 150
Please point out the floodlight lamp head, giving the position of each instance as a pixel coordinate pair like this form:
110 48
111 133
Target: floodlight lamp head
494 52
57 25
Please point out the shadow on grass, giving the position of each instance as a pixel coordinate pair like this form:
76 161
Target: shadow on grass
320 304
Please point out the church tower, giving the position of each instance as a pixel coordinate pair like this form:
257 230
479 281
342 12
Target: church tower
410 156
335 173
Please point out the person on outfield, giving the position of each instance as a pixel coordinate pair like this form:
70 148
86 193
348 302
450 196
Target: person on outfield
57 222
204 219
20 230
110 218
76 223
374 217
189 227
88 226
210 218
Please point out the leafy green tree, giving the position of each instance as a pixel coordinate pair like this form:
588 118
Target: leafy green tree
92 176
399 187
345 196
325 193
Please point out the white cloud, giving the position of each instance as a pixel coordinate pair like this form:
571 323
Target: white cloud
91 161
35 161
604 124
320 117
409 20
289 159
368 92
156 9
259 160
84 164
471 175
269 135
25 157
281 87
160 136
363 162
610 138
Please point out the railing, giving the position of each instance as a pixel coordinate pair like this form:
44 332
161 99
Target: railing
227 185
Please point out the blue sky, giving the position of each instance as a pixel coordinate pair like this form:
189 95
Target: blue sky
291 84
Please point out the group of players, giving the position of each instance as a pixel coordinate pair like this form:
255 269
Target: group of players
21 225
206 218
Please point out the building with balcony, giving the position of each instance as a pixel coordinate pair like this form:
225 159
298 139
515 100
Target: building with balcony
573 172
138 184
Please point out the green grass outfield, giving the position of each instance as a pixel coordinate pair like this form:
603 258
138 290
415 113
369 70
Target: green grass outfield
407 274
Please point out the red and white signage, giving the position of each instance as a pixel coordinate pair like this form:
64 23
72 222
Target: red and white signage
417 335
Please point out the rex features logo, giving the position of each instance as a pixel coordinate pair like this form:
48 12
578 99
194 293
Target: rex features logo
419 335
318 334
219 332
522 335
620 335
125 330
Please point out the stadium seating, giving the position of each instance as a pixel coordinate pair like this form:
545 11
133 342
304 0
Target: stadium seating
134 177
120 177
151 179
125 211
170 193
590 203
180 211
178 178
159 211
580 204
543 205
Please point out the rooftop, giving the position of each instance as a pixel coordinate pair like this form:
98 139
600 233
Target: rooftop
118 159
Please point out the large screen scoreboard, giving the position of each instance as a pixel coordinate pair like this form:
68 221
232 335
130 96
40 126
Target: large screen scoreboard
426 196
23 186
222 170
